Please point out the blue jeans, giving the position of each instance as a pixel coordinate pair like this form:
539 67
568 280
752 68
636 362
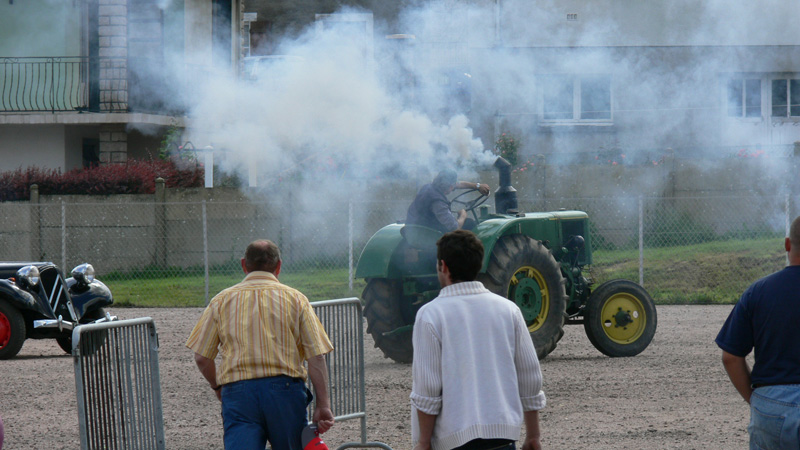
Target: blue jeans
775 417
264 409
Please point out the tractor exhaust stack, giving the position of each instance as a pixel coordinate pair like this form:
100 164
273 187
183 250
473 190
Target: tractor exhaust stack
506 196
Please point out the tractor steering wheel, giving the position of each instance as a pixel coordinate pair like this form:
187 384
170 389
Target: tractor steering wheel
469 202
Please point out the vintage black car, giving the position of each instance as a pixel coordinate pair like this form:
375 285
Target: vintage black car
37 302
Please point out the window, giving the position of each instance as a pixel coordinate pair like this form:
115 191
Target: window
576 98
744 97
347 32
785 98
557 99
596 98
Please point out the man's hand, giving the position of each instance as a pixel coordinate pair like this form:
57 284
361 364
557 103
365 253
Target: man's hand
532 444
462 217
318 373
484 189
323 417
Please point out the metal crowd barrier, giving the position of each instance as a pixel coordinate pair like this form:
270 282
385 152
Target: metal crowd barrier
118 385
342 319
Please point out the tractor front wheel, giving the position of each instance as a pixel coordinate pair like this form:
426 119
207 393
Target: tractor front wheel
524 271
382 309
620 318
12 330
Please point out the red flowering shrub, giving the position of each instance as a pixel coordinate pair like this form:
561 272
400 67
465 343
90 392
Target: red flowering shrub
134 177
507 147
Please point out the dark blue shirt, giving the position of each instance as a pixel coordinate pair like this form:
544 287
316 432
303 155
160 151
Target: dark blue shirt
767 319
431 209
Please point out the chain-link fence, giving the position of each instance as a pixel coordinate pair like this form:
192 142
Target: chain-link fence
686 249
681 249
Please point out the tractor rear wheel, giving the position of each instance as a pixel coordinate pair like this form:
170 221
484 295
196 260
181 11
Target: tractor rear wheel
382 309
524 271
12 330
620 318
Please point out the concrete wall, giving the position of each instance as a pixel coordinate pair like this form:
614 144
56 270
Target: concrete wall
55 146
17 232
40 28
18 142
650 23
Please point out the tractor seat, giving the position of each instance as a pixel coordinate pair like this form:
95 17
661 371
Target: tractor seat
420 237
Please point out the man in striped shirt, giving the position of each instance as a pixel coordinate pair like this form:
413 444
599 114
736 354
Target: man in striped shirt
476 376
264 331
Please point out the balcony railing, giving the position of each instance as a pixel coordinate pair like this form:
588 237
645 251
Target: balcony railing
72 83
44 84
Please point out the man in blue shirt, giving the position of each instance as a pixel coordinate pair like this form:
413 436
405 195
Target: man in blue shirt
767 320
432 209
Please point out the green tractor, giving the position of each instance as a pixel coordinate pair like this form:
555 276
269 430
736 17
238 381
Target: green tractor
535 260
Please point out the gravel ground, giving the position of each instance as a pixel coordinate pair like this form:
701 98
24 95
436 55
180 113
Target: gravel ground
675 395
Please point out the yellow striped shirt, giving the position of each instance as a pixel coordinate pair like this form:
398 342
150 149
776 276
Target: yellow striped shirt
262 328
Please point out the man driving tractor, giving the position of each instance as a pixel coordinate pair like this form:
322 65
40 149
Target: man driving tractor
431 208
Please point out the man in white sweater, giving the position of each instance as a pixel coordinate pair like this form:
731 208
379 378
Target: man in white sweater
476 376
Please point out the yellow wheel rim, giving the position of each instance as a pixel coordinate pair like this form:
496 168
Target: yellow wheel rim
623 318
529 291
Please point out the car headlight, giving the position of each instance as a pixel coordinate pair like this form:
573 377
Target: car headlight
28 275
83 273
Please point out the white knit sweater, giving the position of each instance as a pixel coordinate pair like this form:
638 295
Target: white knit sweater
474 367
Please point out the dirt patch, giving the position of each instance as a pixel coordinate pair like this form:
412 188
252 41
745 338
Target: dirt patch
675 395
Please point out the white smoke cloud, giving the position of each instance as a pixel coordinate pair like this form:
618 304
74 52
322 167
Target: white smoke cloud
327 100
331 102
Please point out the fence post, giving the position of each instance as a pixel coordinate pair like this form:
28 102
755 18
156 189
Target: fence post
788 218
641 241
350 247
36 224
63 235
205 247
161 224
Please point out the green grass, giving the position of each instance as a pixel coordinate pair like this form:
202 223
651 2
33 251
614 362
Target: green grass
189 290
712 272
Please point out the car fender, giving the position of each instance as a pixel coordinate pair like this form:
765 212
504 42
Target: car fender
88 297
22 299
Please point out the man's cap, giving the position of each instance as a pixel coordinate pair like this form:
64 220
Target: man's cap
311 440
445 178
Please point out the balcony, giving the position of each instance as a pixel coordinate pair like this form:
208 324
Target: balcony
44 84
81 84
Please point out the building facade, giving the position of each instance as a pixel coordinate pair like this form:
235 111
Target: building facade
86 82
